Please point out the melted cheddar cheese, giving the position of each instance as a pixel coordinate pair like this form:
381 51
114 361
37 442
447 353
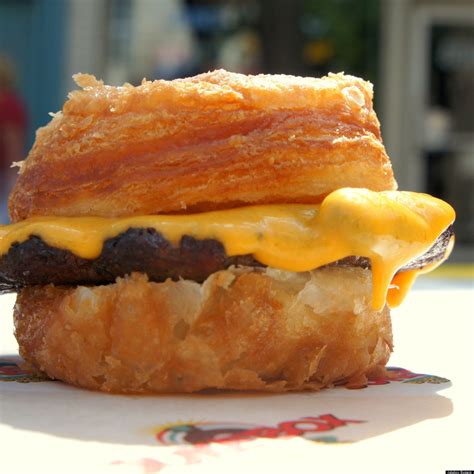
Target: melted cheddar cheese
391 228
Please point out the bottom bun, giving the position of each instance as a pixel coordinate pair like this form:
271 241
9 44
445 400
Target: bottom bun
243 328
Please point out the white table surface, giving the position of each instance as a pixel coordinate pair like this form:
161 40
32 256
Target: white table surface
404 427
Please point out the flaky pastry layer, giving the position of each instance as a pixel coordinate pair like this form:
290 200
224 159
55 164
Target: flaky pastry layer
243 329
212 141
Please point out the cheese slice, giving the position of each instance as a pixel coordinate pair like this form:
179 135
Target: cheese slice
391 228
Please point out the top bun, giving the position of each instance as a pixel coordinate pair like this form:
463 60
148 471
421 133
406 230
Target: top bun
213 141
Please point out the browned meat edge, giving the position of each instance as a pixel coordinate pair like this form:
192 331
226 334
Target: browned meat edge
33 262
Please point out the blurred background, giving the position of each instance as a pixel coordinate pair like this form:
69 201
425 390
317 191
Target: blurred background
418 53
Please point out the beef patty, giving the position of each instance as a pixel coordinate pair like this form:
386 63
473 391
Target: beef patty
33 262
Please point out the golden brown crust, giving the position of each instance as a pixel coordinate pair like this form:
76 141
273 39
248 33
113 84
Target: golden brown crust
212 141
241 329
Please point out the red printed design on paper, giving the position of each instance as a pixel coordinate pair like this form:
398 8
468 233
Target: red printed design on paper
195 442
308 427
11 371
397 374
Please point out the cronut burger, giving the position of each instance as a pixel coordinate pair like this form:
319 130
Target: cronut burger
220 231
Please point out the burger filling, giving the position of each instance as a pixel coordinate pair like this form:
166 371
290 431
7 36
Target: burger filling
397 234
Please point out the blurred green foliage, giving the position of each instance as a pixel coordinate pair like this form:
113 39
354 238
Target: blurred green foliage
351 30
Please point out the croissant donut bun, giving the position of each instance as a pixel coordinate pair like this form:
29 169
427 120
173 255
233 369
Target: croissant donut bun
214 141
241 329
221 231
